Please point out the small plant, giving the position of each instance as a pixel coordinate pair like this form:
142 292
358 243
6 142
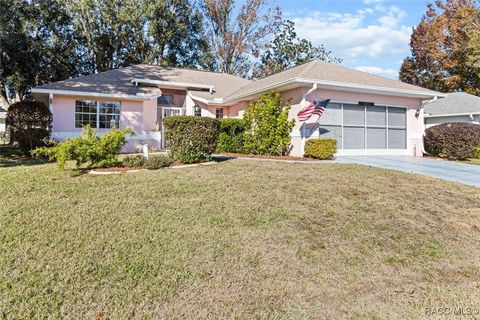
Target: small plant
231 135
477 153
267 126
323 149
157 162
137 161
87 149
454 141
191 139
29 124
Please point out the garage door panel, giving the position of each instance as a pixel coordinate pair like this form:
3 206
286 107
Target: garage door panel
397 117
353 138
376 116
397 138
376 138
333 115
353 115
331 132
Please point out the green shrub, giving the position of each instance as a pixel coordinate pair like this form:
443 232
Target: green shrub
455 141
320 148
137 161
267 126
191 139
87 149
158 161
231 135
477 153
29 124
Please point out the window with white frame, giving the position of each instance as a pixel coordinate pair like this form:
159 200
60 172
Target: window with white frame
219 113
166 100
97 114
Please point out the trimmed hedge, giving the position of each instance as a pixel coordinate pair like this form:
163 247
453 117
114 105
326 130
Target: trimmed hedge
454 141
320 148
155 162
29 124
231 135
191 139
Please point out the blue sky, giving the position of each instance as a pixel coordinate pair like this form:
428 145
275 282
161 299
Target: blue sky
369 35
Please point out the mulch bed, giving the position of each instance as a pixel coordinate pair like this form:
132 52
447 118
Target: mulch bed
255 156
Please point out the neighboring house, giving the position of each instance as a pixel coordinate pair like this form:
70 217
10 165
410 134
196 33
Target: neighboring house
368 115
3 116
456 107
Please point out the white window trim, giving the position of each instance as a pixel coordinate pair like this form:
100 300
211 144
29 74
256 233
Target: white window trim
97 124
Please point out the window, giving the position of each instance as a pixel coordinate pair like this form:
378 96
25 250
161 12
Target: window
166 100
219 113
97 114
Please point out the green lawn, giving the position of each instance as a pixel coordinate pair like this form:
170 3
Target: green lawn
240 240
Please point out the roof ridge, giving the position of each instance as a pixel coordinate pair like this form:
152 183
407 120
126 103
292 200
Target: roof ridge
190 69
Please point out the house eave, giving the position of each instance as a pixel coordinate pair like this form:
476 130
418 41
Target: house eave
174 85
95 94
331 85
427 115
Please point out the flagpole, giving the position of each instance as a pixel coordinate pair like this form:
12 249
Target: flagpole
304 104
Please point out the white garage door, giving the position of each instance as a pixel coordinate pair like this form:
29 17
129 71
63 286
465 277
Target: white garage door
364 129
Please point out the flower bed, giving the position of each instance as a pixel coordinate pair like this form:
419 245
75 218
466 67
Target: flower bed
256 156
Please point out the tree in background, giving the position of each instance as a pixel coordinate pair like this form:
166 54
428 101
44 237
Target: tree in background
267 128
176 28
445 47
111 33
36 46
287 50
236 35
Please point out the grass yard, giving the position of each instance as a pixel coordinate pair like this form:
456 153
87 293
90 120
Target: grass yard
238 240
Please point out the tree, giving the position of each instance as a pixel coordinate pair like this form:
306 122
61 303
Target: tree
29 123
235 36
36 46
267 128
176 28
287 50
445 48
111 32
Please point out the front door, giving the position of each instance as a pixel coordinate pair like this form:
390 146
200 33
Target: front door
162 113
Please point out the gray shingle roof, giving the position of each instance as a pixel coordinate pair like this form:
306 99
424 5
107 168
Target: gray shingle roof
324 71
119 81
454 103
226 86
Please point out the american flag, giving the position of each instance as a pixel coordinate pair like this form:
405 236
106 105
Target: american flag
317 107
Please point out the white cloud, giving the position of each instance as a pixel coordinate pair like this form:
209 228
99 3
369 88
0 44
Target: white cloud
387 73
359 37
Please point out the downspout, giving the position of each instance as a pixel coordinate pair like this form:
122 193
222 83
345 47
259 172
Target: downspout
422 116
304 104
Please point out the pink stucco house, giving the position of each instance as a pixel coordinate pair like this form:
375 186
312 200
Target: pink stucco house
368 115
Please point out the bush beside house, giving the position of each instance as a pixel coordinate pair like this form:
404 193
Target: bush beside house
267 128
322 149
29 124
231 135
88 148
454 141
191 139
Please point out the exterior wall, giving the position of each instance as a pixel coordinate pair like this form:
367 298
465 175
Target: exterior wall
3 115
140 116
414 125
430 122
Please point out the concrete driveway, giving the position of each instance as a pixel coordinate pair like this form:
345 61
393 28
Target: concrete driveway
447 170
